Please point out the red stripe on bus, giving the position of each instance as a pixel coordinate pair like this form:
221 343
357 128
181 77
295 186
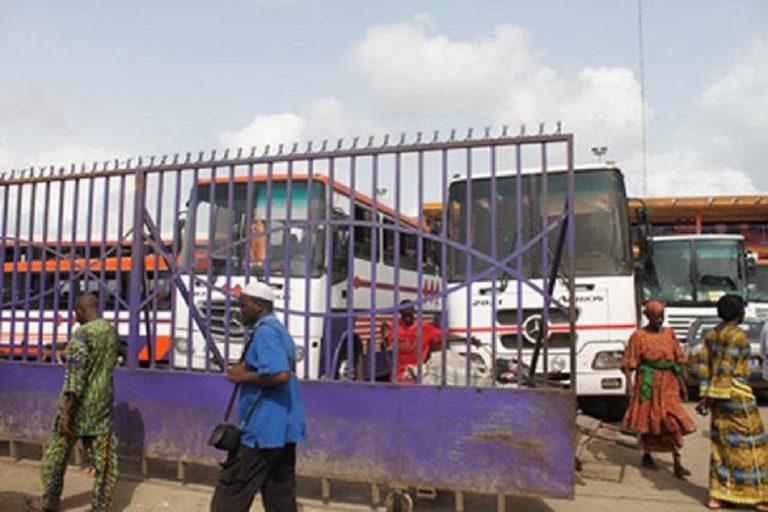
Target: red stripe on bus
553 328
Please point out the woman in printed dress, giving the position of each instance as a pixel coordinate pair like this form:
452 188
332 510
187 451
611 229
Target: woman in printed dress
653 357
738 471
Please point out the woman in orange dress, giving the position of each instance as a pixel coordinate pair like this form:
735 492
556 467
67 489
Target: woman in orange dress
656 412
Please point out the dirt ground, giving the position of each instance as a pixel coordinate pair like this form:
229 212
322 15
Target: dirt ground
610 479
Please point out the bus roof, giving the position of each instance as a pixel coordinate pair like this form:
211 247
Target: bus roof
503 173
337 186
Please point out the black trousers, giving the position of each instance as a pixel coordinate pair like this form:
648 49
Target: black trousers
248 471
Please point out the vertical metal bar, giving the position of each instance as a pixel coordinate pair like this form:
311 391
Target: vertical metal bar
351 313
396 281
331 224
287 242
249 232
72 259
137 250
544 212
420 269
15 274
249 221
209 270
375 256
176 244
119 293
309 232
268 216
192 230
228 266
102 247
4 241
57 269
519 260
28 277
495 257
153 324
571 236
444 265
88 236
43 271
467 367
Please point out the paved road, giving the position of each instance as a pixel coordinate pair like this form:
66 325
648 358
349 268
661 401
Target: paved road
610 480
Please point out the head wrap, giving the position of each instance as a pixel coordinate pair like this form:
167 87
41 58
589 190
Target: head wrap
653 307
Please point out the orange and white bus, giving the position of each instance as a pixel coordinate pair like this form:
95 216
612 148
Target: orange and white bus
37 314
294 232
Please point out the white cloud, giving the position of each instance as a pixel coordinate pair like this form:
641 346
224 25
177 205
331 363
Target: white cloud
418 75
731 125
686 173
265 129
498 79
321 119
410 70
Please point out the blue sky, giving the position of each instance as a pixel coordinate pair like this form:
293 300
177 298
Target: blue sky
93 80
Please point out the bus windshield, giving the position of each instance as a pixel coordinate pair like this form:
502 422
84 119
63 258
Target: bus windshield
220 219
695 272
601 221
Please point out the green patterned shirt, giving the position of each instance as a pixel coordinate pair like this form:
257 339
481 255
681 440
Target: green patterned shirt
91 359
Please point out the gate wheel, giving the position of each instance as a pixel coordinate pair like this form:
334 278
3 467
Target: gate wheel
398 501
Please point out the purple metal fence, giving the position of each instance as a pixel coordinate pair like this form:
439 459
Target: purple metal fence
340 234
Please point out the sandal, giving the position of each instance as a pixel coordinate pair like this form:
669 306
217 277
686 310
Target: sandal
681 472
648 462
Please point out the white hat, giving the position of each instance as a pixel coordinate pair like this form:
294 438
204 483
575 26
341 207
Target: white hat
258 290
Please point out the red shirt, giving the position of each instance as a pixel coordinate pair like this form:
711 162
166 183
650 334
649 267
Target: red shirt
408 346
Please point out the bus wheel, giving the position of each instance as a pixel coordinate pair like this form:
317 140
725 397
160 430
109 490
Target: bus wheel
398 501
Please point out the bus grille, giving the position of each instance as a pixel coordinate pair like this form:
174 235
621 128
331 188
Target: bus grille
680 324
215 313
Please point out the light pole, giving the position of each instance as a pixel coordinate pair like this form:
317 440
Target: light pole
599 151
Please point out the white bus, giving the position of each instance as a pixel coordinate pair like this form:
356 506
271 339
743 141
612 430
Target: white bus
689 273
604 283
318 290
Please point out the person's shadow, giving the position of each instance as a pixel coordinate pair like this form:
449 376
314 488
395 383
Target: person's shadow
129 430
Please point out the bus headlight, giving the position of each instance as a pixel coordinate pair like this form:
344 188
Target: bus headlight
607 360
180 345
557 364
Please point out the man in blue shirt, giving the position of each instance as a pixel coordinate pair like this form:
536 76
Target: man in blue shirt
270 410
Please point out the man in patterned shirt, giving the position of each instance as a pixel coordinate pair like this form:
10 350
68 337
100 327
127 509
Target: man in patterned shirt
85 410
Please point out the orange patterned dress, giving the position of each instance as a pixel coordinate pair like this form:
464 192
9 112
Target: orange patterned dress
660 419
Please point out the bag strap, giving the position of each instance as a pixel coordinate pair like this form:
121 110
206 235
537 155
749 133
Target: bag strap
230 405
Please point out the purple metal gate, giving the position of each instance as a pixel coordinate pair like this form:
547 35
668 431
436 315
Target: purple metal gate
340 233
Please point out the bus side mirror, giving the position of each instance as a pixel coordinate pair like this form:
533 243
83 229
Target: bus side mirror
751 264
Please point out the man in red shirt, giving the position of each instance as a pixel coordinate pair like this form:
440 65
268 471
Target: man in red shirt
408 345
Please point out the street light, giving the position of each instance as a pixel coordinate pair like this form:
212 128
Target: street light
599 151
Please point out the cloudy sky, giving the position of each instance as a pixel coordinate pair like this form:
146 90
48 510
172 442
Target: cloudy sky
95 80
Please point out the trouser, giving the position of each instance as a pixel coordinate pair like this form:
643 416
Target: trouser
248 471
54 465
